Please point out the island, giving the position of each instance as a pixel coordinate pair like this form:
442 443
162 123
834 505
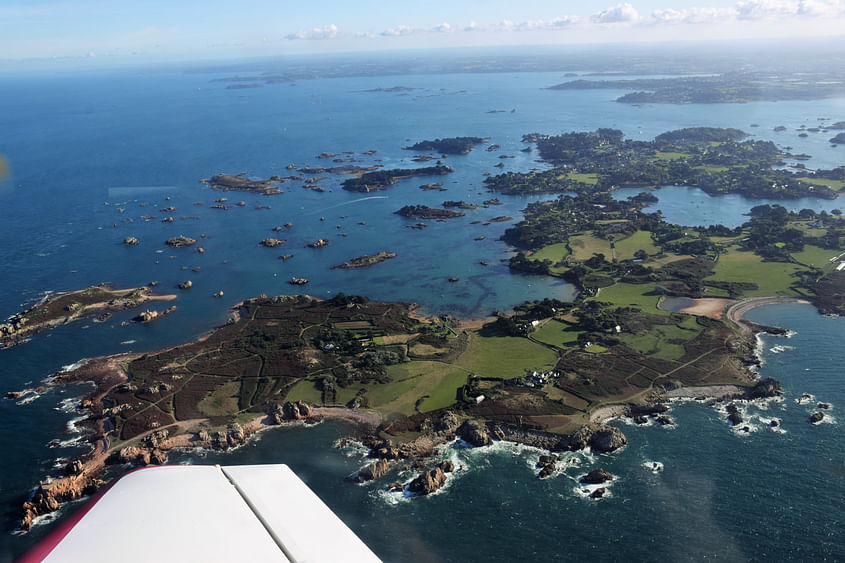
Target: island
181 240
453 145
713 159
426 212
731 87
227 182
381 179
365 261
65 307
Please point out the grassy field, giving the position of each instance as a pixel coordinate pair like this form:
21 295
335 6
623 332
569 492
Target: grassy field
305 391
556 333
553 252
836 185
632 295
505 356
591 179
222 401
410 382
445 393
772 278
662 341
641 240
584 246
668 155
815 256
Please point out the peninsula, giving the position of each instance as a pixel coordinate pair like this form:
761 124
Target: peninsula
65 307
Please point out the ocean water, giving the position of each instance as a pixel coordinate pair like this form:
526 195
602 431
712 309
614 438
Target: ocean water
130 139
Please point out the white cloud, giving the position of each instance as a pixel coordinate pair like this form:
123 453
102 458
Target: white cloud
764 9
443 28
399 30
692 15
820 8
326 32
621 13
564 21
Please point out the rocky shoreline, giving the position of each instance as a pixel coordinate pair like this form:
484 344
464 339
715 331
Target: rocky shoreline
419 453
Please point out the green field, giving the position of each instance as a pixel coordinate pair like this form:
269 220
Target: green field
815 256
305 391
445 393
632 295
772 278
668 155
505 356
584 246
836 185
410 382
556 333
553 252
641 240
591 179
662 341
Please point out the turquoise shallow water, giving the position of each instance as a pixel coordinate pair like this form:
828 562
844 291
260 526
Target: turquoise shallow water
75 142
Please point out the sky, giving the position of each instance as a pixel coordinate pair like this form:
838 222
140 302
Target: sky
220 29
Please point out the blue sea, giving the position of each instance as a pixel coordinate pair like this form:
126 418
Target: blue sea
92 153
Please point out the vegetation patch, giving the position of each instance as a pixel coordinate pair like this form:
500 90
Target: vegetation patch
504 356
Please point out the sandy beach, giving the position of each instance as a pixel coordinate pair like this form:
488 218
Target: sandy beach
708 307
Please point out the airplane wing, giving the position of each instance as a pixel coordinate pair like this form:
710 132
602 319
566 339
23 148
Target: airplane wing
204 513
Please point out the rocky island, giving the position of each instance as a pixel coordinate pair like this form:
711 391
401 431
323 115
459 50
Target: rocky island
381 179
426 212
227 182
62 308
365 261
453 145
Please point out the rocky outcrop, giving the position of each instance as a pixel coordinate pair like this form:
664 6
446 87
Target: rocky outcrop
734 416
272 242
764 389
431 480
598 493
131 241
181 240
596 477
547 465
600 438
288 411
49 496
186 284
383 449
475 433
149 315
816 417
139 456
529 437
371 472
448 422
